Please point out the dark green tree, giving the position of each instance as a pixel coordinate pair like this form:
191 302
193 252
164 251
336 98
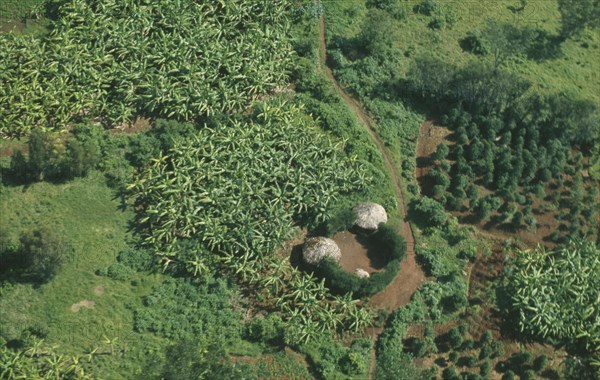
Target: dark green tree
378 32
43 250
577 15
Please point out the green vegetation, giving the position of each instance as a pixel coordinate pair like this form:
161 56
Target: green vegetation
388 247
257 176
166 157
553 293
112 62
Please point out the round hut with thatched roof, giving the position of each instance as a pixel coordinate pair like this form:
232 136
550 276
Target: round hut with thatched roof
369 215
362 273
318 248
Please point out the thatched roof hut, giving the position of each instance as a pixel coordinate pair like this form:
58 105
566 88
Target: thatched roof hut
369 215
317 248
362 273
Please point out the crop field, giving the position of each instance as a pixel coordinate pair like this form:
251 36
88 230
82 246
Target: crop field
299 189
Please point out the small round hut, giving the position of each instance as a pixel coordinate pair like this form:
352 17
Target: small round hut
361 273
369 215
318 248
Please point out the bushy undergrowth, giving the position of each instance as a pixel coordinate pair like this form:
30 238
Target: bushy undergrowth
392 361
332 360
181 309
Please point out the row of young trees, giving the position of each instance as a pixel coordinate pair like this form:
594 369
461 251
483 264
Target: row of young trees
514 144
112 61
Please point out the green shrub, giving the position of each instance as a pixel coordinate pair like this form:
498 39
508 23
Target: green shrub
40 255
455 338
437 22
508 375
268 330
138 259
453 356
486 338
485 369
519 359
469 361
450 373
357 358
427 7
429 213
528 375
392 362
181 309
540 363
119 271
474 43
498 349
485 352
389 243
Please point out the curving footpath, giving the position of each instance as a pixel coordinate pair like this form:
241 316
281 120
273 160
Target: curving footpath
410 277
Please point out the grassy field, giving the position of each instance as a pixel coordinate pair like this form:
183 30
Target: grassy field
20 15
574 72
95 228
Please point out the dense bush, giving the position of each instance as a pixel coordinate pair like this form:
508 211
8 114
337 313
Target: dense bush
138 259
429 213
332 360
51 158
37 257
182 309
118 271
392 362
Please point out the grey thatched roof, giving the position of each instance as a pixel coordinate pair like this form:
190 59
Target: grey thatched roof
369 215
317 248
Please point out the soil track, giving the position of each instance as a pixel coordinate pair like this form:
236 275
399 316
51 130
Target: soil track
410 277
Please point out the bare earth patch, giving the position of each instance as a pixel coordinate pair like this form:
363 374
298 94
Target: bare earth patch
83 303
354 253
99 290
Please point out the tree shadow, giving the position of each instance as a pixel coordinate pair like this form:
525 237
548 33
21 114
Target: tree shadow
545 46
376 260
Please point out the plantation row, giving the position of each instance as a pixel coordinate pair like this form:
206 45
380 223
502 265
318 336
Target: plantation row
112 61
529 147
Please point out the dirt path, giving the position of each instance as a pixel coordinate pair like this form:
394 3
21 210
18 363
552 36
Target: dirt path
399 292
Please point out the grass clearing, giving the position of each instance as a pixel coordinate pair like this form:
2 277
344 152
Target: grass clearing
18 15
574 72
88 215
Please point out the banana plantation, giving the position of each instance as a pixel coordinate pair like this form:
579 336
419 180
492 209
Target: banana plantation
229 198
111 61
555 293
238 189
